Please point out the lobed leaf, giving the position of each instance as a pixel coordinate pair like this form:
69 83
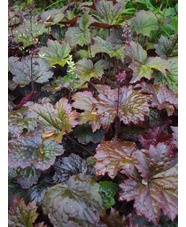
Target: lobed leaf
84 134
167 47
85 101
68 166
141 65
163 98
85 69
28 149
107 190
21 214
133 105
103 46
59 118
76 203
80 35
112 156
144 22
55 52
157 187
22 71
52 17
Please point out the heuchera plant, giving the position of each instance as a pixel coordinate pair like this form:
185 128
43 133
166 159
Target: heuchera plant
93 104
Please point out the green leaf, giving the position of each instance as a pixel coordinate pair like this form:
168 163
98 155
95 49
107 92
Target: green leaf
26 177
132 106
21 214
21 119
52 17
80 35
85 69
58 32
142 65
28 33
156 188
68 166
85 101
174 22
59 118
167 47
108 13
171 79
107 191
11 61
84 134
22 71
76 203
144 22
55 52
112 156
102 46
28 149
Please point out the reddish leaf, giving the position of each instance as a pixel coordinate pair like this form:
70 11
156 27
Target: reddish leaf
24 100
72 21
21 214
153 137
163 98
104 25
112 156
133 105
157 187
85 101
28 149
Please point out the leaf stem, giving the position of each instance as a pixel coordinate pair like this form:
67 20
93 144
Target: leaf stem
117 114
90 152
158 117
163 17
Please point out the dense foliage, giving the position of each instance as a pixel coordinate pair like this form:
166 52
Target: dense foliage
93 111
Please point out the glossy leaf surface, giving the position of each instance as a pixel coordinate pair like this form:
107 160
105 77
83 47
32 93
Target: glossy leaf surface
28 149
76 203
107 191
68 166
112 156
59 117
85 101
157 187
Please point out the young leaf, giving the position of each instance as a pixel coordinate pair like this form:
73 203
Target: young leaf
55 52
28 33
141 65
84 134
133 105
80 35
85 69
68 166
144 22
76 203
21 214
112 156
107 190
28 149
107 14
103 46
157 187
59 117
85 101
167 47
22 70
163 98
